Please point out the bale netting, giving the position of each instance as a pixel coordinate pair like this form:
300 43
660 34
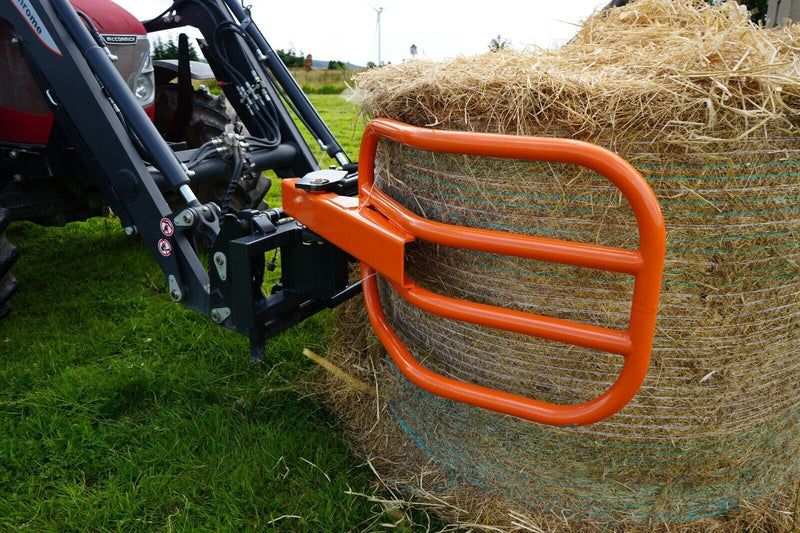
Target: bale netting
705 105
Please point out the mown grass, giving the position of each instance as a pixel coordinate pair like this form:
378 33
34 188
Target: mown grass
120 410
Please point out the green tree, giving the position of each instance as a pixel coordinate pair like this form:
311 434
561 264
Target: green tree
169 50
336 65
291 58
498 43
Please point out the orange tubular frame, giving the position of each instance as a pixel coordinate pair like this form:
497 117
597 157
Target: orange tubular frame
375 230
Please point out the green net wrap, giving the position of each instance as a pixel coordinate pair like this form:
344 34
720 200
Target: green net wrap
716 421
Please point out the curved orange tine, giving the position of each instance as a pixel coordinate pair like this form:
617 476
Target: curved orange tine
601 407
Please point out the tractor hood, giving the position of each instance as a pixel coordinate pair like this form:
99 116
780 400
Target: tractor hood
109 18
24 114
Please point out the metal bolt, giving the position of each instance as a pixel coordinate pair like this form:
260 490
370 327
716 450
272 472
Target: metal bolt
12 154
174 288
320 181
15 40
131 230
219 260
18 178
187 217
216 316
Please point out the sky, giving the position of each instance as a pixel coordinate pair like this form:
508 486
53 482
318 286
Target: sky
346 30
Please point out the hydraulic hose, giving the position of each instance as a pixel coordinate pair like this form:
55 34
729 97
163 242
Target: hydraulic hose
316 124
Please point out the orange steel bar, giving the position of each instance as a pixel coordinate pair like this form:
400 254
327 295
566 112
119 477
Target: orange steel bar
607 340
540 248
362 233
377 229
599 408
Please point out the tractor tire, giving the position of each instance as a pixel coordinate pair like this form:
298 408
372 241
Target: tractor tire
209 114
8 256
209 119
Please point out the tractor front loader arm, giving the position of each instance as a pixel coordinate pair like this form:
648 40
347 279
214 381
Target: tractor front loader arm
89 100
128 161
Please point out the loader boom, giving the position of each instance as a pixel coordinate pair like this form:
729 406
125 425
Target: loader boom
133 167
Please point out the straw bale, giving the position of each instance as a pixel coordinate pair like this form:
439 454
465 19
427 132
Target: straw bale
705 104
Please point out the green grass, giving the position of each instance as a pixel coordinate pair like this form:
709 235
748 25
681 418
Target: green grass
341 117
324 81
316 81
325 89
120 410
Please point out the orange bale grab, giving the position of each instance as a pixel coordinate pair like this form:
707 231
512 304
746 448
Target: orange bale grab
375 229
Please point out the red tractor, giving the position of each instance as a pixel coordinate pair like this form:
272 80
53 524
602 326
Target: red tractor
77 137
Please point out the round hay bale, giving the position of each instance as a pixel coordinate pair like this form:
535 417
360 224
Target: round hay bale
705 104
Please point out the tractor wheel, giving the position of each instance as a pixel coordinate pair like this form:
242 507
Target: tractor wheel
8 256
209 119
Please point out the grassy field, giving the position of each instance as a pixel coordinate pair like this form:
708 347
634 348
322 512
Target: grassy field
120 410
316 81
323 81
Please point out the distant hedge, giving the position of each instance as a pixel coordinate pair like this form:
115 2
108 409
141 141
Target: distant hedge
325 89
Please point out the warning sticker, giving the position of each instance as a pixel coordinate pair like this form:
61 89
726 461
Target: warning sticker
166 227
165 247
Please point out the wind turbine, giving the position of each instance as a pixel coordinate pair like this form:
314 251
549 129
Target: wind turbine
378 11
